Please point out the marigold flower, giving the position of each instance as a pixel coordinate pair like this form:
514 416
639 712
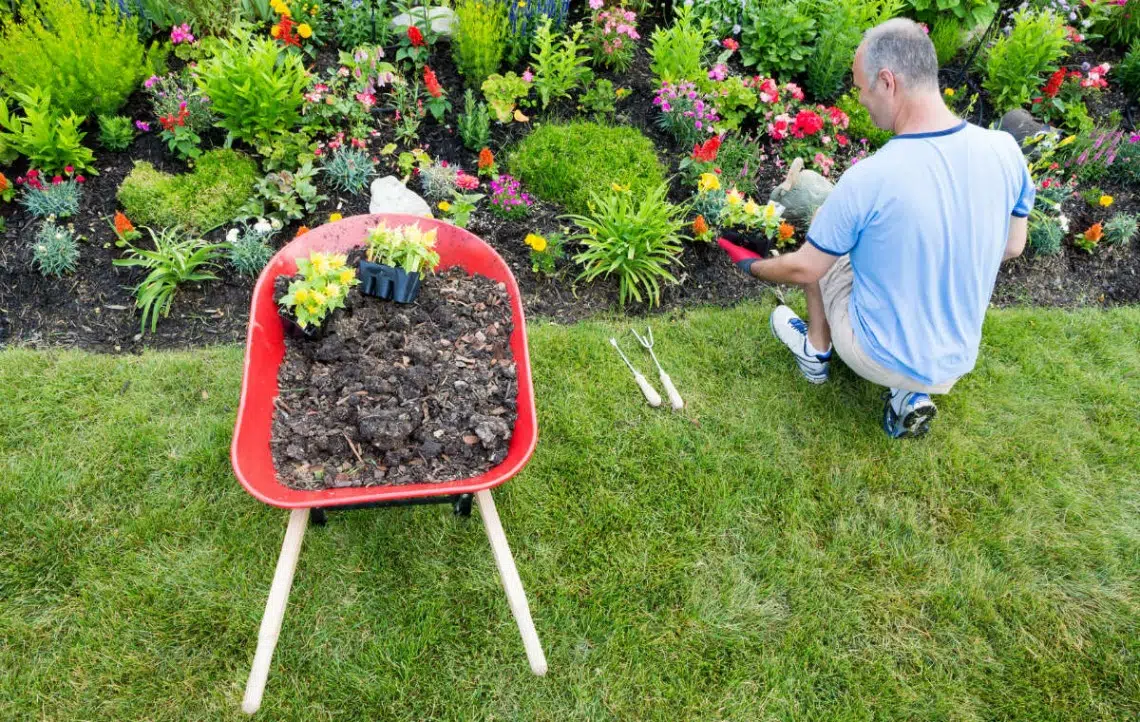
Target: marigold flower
786 230
444 206
486 158
275 31
949 92
535 241
334 217
301 231
1094 233
305 31
122 223
700 227
1106 200
708 182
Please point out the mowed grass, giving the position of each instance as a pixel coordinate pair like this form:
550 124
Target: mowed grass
765 555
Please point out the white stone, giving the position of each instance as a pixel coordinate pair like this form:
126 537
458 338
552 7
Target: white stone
389 195
442 20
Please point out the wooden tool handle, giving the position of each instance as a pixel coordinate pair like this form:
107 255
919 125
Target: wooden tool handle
671 391
651 394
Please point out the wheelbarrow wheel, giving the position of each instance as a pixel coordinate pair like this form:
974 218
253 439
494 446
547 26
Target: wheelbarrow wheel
462 505
318 516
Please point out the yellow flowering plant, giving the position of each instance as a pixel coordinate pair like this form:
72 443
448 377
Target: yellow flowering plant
322 287
545 252
408 247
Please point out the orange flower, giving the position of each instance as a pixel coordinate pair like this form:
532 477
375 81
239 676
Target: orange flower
301 231
786 231
486 159
700 227
4 185
275 31
432 83
122 223
1094 233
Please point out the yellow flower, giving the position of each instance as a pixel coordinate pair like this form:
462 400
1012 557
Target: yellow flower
312 308
619 187
708 182
444 206
751 208
1106 201
304 30
1066 141
536 242
337 261
769 211
301 295
347 275
313 11
319 298
949 92
734 197
275 31
522 3
320 264
333 289
334 217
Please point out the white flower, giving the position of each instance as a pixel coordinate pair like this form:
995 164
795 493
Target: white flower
1063 220
276 224
262 227
232 236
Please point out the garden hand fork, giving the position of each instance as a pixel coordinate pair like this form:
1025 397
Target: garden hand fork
674 397
651 394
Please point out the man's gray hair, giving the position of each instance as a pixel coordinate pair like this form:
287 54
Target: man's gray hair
902 47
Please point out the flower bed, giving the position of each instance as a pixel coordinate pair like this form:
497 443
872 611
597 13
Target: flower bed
340 107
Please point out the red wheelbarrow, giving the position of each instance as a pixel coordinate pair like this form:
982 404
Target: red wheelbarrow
253 462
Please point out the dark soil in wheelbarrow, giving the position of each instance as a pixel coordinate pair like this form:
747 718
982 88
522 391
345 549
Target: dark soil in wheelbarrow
399 394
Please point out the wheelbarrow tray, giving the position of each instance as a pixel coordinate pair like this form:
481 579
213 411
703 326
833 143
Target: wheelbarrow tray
265 348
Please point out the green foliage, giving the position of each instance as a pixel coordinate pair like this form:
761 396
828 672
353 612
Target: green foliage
349 169
474 123
841 26
741 159
254 87
284 195
55 200
861 126
116 132
778 38
247 250
734 101
677 52
634 236
970 12
323 285
560 68
546 252
50 140
503 92
480 40
208 17
199 201
946 35
1127 165
1120 229
55 251
1121 25
408 247
565 163
438 180
1045 237
354 26
600 100
459 209
176 258
1128 71
1017 64
87 57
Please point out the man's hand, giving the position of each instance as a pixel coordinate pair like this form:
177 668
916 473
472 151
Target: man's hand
742 257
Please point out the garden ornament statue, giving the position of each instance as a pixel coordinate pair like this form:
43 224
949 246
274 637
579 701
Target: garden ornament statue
801 193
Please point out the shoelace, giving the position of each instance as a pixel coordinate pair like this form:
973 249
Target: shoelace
798 324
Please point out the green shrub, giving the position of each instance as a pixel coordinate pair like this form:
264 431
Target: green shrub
116 132
50 140
559 69
1121 25
565 163
349 169
247 250
778 38
50 199
1128 72
741 160
600 100
503 92
1016 65
946 35
354 23
1045 237
1120 229
970 12
480 40
199 201
861 126
255 88
474 123
55 250
284 196
677 52
635 236
87 57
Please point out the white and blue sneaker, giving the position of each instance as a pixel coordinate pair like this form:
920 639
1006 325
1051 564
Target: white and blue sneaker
792 331
907 413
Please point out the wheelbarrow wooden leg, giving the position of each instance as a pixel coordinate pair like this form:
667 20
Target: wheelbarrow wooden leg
516 597
275 609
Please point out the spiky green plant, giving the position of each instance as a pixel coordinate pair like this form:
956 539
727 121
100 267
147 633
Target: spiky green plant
55 250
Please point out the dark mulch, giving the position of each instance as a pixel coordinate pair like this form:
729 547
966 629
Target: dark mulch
95 309
398 394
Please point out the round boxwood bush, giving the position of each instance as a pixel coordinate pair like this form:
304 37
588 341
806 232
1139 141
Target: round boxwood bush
564 163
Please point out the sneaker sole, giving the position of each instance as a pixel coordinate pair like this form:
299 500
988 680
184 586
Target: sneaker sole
811 378
917 424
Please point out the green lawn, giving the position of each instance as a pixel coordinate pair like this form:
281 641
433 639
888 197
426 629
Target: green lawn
766 555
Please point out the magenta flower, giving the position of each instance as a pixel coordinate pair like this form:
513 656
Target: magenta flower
144 127
149 82
527 76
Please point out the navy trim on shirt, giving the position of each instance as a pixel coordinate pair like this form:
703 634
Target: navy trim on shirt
830 253
1015 214
933 134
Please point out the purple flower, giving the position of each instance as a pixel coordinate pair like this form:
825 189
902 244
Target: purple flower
149 82
144 127
527 76
1134 138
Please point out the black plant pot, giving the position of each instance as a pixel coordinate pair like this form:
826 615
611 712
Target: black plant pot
294 330
384 281
755 242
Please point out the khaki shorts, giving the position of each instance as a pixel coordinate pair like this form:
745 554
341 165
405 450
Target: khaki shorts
836 288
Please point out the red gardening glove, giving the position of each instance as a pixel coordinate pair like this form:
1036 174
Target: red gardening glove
741 257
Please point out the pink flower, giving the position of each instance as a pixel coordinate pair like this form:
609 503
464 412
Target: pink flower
144 127
596 4
730 44
824 163
80 179
769 91
527 76
718 72
366 99
838 117
795 90
56 180
466 182
181 34
69 169
779 127
149 82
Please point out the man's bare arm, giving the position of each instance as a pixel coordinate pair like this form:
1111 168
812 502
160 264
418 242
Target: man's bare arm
807 265
1015 244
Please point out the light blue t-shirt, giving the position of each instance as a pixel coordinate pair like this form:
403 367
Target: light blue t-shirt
925 221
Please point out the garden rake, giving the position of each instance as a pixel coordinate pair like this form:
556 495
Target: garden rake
671 390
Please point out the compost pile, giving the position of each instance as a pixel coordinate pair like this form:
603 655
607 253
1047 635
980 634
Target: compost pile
398 394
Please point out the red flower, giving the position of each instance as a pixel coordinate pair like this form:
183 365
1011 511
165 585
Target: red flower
730 44
806 123
842 140
432 83
706 152
415 36
1054 85
57 180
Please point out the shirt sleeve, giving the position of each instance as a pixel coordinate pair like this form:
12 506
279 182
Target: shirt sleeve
1028 193
840 221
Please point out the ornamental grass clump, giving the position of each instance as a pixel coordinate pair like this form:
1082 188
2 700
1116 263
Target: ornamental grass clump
349 169
248 249
634 237
508 199
1120 229
480 40
55 250
57 197
321 288
438 179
